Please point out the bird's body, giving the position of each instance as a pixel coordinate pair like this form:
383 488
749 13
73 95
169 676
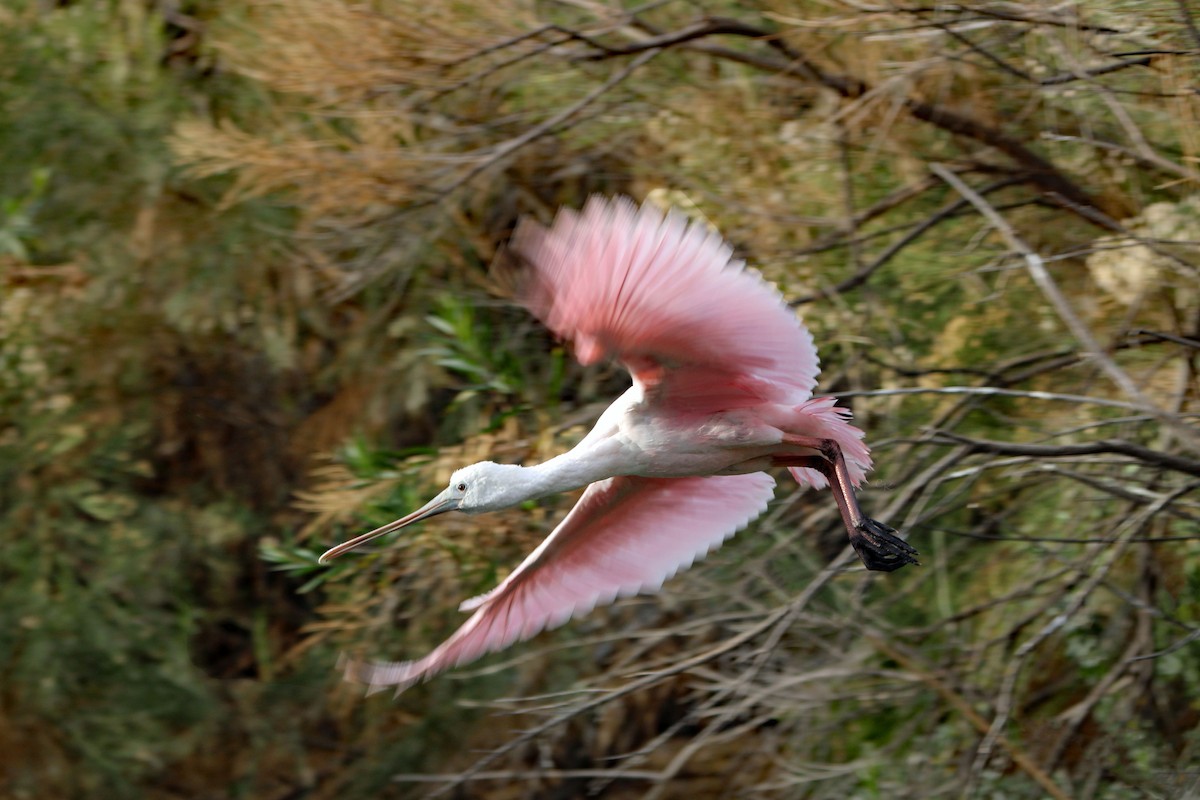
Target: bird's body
637 437
723 374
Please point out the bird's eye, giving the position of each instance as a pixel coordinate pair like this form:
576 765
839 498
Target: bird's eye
462 487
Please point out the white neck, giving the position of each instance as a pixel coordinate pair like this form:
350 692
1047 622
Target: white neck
498 486
565 472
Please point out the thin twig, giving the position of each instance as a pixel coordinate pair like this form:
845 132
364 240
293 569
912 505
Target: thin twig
1136 451
864 274
639 683
1041 277
1185 14
712 26
1103 558
540 774
929 676
550 125
1079 75
993 391
1041 172
1009 13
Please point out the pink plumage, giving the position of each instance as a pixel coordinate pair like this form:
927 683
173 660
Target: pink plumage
723 373
666 298
615 542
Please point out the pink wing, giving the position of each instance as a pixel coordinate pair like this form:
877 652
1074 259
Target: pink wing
624 535
668 299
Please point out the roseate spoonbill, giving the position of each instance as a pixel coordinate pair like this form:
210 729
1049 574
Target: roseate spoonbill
723 373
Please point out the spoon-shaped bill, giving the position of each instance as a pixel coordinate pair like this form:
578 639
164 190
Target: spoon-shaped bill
439 505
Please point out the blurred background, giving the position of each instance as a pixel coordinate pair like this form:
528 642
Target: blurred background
245 312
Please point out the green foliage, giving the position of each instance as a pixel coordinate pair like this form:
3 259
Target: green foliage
486 354
16 216
115 585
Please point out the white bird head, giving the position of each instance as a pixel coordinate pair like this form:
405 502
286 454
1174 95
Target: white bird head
488 486
485 486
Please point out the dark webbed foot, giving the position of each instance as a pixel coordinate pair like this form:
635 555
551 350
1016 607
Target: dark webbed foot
876 544
879 548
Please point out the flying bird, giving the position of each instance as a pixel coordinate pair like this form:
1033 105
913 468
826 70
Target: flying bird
723 373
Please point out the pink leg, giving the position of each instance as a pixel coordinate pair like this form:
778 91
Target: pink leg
876 543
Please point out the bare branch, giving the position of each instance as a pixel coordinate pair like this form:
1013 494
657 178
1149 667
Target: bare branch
551 124
1185 13
1040 171
711 26
1136 451
1069 77
984 391
863 275
988 54
1045 282
1097 567
540 774
1169 337
1012 13
929 675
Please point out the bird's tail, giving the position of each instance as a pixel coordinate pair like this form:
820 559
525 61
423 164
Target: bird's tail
822 418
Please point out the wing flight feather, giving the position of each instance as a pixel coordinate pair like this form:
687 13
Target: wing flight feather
667 298
625 535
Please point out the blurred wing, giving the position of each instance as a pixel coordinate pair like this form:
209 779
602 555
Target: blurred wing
667 299
623 536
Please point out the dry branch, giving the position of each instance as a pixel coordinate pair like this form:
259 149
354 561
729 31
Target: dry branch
1046 283
929 223
1136 451
1041 172
913 664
